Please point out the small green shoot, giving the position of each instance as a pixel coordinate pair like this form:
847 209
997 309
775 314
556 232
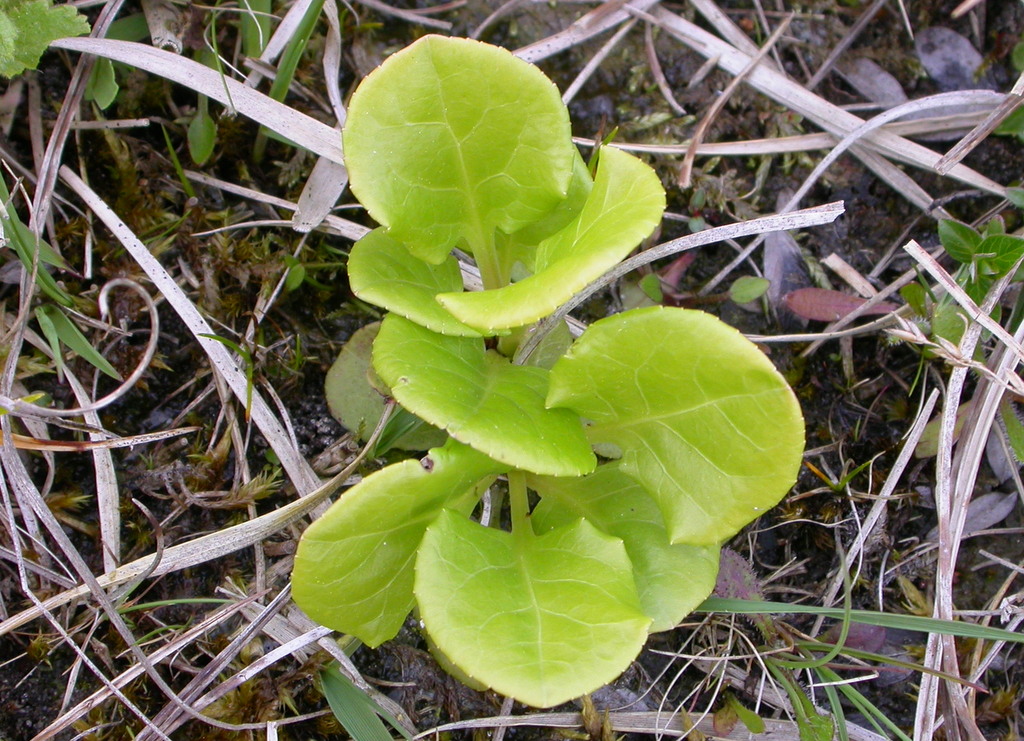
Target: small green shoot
202 133
102 88
256 19
748 288
186 185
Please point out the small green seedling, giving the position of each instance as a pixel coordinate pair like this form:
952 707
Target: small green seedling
984 257
626 457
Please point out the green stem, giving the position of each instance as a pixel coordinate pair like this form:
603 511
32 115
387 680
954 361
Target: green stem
491 272
519 502
508 344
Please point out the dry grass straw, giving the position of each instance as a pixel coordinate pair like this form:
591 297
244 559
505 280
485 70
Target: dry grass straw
61 569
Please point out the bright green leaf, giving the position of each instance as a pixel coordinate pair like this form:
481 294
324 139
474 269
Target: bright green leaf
959 240
579 190
383 272
705 422
994 227
480 398
27 28
450 139
672 580
1001 252
917 298
354 566
750 719
650 284
542 619
949 322
1016 195
624 207
296 273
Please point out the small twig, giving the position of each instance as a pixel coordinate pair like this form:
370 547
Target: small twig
1014 99
595 61
658 74
851 36
605 16
686 169
405 15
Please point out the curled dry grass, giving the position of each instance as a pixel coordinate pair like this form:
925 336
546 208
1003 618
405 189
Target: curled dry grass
58 588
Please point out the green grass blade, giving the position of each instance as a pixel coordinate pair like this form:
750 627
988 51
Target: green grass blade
354 709
31 249
178 169
287 66
837 709
888 661
59 329
882 619
875 716
256 19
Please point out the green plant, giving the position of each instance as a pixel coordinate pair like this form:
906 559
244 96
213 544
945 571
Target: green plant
35 255
647 442
984 257
28 26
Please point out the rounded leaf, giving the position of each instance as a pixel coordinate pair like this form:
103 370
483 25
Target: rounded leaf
383 272
450 139
542 619
623 208
704 421
480 398
354 566
671 579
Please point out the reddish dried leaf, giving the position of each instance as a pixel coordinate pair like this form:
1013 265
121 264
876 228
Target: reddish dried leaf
725 719
825 305
675 271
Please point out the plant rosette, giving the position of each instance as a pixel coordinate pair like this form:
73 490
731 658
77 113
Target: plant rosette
626 457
